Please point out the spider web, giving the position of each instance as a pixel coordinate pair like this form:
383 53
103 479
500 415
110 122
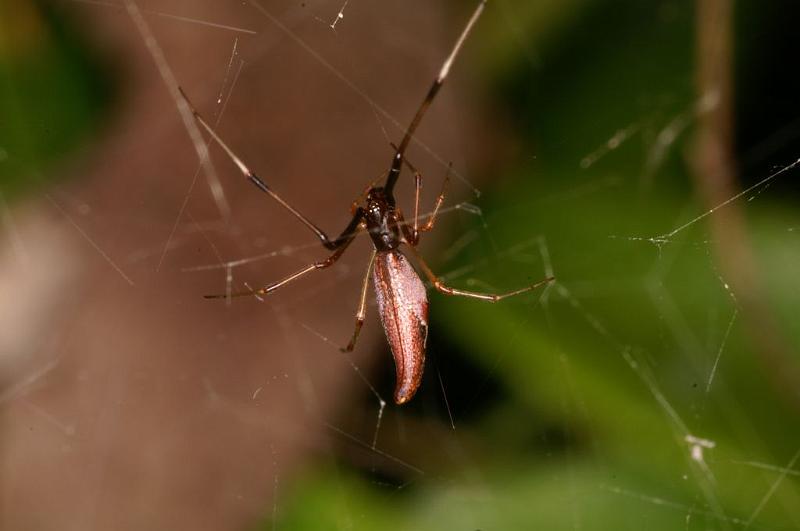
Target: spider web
640 389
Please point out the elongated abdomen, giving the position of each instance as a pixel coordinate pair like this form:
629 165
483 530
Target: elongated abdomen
403 305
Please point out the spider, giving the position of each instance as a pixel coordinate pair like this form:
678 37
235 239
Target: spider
400 293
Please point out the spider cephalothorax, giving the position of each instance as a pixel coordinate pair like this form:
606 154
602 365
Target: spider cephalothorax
382 220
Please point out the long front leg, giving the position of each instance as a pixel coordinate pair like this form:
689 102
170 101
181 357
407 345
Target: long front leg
261 185
397 161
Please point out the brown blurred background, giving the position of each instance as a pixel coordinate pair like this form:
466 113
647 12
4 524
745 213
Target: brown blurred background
129 401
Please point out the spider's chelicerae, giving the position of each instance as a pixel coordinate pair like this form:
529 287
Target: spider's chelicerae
401 296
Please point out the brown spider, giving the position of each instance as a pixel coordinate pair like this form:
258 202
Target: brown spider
401 295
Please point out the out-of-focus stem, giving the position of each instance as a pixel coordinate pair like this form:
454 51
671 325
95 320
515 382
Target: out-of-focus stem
712 159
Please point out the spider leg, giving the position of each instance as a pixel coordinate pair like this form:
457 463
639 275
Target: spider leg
261 185
491 297
397 161
362 307
439 200
411 232
413 237
322 264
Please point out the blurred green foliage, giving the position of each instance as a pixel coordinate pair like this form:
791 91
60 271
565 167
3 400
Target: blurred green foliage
603 376
53 92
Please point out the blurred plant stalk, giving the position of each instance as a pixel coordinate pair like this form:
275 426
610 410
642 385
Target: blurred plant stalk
714 169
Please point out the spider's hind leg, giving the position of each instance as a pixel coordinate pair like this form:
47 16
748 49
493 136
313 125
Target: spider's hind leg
490 297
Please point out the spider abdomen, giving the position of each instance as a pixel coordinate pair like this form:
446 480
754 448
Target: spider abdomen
403 306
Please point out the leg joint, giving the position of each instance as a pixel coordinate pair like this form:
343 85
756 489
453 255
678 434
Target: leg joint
326 263
439 285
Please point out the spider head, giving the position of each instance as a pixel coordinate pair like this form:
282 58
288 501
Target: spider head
379 203
377 193
380 218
